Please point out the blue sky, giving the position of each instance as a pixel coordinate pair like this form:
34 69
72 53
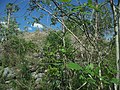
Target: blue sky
23 4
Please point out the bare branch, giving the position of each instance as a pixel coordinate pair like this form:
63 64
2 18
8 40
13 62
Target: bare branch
82 86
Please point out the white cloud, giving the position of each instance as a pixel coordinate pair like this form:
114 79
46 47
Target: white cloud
18 28
37 25
29 28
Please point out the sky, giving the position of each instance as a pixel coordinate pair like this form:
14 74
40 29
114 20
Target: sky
23 4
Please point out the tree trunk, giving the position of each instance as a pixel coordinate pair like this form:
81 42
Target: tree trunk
116 30
8 21
96 41
63 29
117 45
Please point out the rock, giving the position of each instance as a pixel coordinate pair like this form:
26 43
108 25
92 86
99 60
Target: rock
8 72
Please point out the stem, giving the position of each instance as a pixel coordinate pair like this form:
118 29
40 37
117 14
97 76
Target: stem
116 30
9 15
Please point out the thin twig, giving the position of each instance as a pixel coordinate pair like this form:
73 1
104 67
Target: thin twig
82 86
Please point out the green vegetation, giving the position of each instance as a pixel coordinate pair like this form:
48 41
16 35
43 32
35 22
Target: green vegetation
82 55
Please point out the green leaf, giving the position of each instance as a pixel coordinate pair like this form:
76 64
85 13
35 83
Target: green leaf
116 81
64 0
91 81
81 77
91 66
90 2
73 66
46 2
78 8
63 50
51 53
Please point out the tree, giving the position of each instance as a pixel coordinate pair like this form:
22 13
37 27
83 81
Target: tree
77 57
116 31
91 21
14 65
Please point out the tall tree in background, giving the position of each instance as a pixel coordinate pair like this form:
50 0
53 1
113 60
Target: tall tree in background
10 8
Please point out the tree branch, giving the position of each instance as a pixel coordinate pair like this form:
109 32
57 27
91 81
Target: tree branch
63 25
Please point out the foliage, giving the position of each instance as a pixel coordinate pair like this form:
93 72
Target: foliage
78 57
